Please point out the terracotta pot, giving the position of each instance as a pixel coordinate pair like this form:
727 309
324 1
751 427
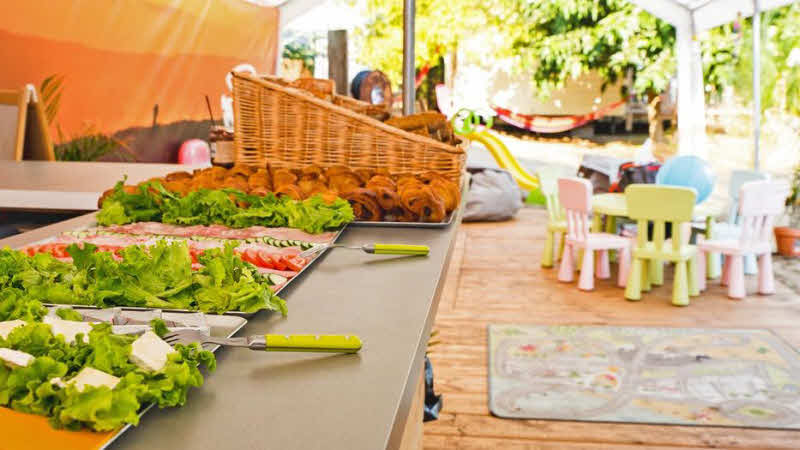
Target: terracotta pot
786 237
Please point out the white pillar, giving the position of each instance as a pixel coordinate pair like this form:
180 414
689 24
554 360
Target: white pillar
691 95
756 81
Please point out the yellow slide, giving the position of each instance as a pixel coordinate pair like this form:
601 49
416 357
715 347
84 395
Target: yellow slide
506 160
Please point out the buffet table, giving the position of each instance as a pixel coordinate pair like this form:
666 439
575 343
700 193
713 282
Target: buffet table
314 401
69 186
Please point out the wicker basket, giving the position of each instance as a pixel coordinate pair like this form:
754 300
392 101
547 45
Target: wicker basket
289 127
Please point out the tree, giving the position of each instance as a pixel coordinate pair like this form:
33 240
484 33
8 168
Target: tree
558 40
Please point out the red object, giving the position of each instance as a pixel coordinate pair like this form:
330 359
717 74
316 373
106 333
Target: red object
194 152
552 124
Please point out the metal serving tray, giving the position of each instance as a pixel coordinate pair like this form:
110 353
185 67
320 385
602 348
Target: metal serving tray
445 224
229 313
221 326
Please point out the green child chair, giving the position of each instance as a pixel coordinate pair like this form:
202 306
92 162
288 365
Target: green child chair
557 223
661 205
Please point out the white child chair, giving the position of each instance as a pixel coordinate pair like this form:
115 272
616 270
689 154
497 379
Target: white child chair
731 229
575 196
759 203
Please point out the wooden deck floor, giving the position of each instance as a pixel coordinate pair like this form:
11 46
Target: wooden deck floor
494 277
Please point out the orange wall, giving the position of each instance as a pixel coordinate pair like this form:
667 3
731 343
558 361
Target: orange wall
122 57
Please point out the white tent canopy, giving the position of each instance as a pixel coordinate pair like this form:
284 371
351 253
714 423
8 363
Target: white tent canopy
691 17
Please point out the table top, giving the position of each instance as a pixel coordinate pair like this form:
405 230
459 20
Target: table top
69 186
291 401
613 204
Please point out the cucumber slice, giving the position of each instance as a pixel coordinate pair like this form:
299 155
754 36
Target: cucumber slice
306 245
286 243
274 278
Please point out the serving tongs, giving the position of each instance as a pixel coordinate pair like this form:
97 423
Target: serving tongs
335 343
375 249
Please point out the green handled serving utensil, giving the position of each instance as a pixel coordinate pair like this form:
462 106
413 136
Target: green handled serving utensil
377 249
335 343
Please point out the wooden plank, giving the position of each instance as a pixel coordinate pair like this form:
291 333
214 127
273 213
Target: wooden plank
438 442
337 60
499 281
412 434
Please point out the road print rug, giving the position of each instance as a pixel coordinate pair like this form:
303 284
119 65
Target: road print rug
680 376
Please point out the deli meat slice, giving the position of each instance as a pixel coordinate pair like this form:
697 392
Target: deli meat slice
219 231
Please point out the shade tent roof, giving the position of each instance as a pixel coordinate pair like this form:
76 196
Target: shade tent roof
705 14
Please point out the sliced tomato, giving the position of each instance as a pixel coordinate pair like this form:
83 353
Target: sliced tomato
31 250
59 251
295 263
251 255
264 259
279 263
193 252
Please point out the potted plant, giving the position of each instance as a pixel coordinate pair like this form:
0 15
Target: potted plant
787 237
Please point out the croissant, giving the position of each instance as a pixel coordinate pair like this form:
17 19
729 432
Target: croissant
176 176
259 180
363 175
311 187
365 204
290 190
344 182
312 172
282 177
235 182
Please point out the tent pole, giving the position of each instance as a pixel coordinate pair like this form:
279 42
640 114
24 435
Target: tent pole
756 81
408 56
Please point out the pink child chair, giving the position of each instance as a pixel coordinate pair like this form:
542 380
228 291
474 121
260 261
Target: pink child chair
575 196
759 203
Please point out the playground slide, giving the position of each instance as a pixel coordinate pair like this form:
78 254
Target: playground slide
506 160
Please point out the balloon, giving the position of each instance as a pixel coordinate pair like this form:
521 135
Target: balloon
688 171
194 152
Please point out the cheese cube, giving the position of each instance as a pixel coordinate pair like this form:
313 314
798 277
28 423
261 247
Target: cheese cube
15 358
68 328
149 352
8 325
58 382
89 376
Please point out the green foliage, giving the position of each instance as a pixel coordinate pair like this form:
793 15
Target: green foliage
555 41
91 145
780 73
300 50
51 90
563 40
440 25
222 206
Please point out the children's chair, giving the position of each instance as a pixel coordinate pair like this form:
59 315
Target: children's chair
759 203
661 205
575 195
731 230
556 224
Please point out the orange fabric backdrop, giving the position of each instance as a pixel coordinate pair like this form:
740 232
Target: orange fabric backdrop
122 57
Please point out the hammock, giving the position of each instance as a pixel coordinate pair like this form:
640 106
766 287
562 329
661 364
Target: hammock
552 124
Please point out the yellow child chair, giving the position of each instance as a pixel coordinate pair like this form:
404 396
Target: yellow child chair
661 205
557 222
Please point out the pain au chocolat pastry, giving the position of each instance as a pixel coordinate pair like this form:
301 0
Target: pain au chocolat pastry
420 200
365 204
447 191
386 192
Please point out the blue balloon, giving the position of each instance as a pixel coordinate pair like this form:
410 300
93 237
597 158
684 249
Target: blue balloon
688 171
